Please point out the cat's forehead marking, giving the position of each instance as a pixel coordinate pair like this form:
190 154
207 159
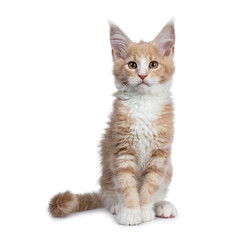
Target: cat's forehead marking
148 50
143 65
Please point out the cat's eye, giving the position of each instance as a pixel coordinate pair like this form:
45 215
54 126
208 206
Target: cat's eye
132 65
153 64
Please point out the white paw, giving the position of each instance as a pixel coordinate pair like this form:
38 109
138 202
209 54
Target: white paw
165 209
129 217
147 213
114 209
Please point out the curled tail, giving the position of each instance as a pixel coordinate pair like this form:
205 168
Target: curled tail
66 203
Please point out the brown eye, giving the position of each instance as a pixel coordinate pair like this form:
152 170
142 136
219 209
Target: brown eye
153 64
132 65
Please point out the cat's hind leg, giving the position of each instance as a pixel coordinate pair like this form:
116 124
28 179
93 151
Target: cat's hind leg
114 209
110 200
164 209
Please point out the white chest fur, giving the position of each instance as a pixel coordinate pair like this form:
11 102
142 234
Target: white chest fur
144 110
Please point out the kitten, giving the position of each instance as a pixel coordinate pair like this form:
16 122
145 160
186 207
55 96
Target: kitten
136 148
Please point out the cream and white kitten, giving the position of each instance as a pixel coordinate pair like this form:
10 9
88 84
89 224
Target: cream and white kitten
136 148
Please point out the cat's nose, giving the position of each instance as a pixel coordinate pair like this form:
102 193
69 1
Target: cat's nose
142 76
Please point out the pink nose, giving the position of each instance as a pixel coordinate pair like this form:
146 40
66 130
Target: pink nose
142 76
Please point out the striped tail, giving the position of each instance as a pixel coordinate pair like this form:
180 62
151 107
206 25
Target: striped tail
64 204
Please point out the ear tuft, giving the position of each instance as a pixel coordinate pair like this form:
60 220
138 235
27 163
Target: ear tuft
119 40
165 40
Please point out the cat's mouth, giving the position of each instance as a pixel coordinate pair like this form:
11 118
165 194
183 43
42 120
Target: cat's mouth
143 83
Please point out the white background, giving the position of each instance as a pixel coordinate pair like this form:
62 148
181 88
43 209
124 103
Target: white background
55 99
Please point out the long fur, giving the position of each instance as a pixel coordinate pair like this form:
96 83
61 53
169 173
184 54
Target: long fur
136 148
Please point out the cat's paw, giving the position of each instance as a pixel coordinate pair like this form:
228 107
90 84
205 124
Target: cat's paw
129 217
114 209
165 209
147 213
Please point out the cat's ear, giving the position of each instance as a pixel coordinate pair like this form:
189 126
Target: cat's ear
165 40
119 41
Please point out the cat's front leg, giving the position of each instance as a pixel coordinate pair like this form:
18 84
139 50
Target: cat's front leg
125 178
152 182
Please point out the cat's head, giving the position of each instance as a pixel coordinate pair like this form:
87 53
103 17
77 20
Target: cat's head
142 67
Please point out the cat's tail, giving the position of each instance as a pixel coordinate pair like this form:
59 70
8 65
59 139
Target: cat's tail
66 203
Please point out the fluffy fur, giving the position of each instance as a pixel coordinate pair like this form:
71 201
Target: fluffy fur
136 148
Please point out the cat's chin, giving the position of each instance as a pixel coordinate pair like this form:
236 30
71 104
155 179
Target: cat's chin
143 88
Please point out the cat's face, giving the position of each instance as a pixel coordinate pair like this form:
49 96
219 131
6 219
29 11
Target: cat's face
142 67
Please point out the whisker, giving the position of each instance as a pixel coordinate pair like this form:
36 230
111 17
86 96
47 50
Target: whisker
125 86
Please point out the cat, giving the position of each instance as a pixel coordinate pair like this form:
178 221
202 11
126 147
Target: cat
136 148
